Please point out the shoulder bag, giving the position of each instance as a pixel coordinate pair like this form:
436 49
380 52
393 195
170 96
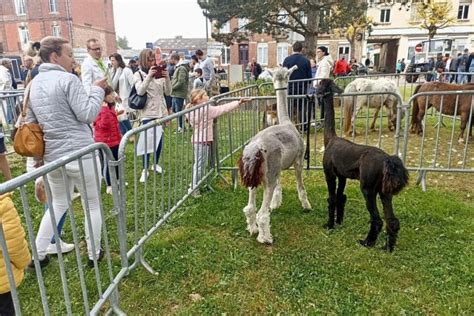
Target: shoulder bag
28 140
136 101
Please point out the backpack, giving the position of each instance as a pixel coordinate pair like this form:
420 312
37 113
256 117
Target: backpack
136 101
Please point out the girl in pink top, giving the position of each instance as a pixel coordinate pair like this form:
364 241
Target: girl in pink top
202 120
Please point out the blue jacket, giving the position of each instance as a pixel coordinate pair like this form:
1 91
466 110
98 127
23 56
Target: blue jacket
303 72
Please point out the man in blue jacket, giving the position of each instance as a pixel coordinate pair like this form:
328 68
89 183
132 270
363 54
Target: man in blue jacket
300 87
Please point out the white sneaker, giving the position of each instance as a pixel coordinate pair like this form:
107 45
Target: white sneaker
109 190
144 176
65 248
157 168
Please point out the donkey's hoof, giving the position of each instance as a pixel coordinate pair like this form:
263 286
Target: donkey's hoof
267 240
461 141
367 243
252 229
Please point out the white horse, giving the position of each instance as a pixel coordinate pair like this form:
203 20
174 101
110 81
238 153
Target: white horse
352 105
272 150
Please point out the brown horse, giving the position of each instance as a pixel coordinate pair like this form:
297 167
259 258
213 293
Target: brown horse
445 102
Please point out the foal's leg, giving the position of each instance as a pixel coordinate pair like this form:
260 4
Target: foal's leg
341 199
376 114
375 221
300 185
331 183
392 224
277 197
464 119
263 215
250 212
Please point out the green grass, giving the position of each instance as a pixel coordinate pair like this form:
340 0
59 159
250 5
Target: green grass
205 250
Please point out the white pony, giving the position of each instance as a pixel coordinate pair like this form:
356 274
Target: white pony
352 105
272 150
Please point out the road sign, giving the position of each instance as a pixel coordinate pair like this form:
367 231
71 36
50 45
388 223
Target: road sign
419 48
149 45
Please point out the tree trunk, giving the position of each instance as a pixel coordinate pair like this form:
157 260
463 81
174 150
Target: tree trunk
311 36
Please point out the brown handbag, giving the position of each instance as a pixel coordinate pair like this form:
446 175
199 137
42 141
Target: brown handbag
28 140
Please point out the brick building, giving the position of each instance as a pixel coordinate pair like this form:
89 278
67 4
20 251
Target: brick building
75 20
270 51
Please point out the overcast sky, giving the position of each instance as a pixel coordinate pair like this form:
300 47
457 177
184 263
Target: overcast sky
144 21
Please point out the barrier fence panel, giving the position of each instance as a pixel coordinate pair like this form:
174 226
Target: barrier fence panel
71 283
11 103
182 159
436 144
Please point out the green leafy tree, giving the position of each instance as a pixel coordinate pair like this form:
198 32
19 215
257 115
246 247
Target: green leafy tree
309 18
434 16
122 42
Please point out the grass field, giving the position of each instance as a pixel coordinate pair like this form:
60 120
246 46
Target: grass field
208 264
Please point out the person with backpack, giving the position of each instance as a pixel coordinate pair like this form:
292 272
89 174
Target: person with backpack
179 90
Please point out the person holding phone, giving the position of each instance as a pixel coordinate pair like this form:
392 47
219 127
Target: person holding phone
154 81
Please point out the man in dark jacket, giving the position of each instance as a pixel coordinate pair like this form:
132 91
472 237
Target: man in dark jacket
300 87
179 89
255 68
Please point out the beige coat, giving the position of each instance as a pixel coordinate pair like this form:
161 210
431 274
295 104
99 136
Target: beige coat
156 89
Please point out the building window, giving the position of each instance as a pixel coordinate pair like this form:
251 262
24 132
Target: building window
225 56
344 51
243 23
262 53
53 6
463 12
385 16
56 30
225 28
20 7
24 35
282 52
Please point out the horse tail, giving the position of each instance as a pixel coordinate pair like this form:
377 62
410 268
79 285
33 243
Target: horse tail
251 167
395 175
416 108
348 110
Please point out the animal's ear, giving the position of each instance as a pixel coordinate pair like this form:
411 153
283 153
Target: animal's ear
292 69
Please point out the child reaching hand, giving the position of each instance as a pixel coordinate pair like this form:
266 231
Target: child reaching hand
106 130
202 121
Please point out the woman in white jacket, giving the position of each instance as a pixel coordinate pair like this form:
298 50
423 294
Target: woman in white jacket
60 104
146 82
325 63
122 83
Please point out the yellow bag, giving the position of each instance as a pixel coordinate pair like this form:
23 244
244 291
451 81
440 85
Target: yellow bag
28 140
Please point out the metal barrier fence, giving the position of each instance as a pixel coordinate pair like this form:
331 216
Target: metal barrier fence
104 234
438 149
181 163
10 108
